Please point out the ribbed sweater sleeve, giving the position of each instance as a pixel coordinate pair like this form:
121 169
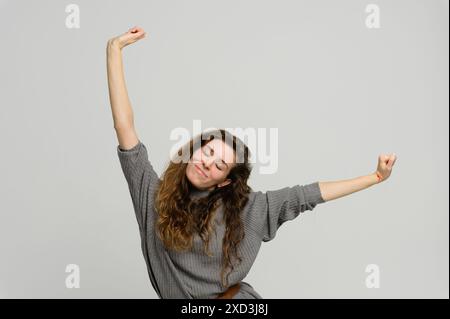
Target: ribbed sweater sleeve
273 208
141 178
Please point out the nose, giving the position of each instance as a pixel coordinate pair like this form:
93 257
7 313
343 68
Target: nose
207 162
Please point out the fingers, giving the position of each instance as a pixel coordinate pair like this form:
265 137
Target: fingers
136 30
132 35
391 160
133 29
137 33
387 160
383 158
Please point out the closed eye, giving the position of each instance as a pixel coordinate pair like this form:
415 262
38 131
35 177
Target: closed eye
212 153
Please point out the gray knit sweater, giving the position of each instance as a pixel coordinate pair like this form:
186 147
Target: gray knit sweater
193 274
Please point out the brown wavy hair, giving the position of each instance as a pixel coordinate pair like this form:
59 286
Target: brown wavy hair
180 216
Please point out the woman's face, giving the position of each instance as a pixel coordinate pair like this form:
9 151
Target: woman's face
209 165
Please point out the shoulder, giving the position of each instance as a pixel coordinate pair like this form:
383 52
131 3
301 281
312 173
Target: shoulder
256 204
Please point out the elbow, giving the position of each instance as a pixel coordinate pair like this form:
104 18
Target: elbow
121 126
123 122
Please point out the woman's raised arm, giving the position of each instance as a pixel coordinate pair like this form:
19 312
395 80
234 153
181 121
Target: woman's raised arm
122 112
336 189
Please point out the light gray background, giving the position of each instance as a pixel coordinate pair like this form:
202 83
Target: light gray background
339 93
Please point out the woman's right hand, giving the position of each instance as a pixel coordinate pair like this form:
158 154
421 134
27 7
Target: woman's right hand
132 35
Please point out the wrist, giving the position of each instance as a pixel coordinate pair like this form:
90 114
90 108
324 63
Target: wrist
113 46
377 178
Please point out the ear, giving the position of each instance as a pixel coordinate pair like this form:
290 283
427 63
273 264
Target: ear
224 183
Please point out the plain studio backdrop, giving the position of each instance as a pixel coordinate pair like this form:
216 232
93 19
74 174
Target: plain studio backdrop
339 92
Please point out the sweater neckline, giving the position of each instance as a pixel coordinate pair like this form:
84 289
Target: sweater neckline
198 193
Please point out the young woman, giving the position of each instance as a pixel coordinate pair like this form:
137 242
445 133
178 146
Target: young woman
201 225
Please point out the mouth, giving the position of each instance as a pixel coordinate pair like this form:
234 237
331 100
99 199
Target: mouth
200 171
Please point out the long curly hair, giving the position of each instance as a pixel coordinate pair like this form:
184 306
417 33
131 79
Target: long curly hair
180 216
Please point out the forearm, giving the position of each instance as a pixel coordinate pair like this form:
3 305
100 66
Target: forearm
120 104
335 189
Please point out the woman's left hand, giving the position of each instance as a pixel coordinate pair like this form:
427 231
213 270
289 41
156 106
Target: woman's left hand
385 164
